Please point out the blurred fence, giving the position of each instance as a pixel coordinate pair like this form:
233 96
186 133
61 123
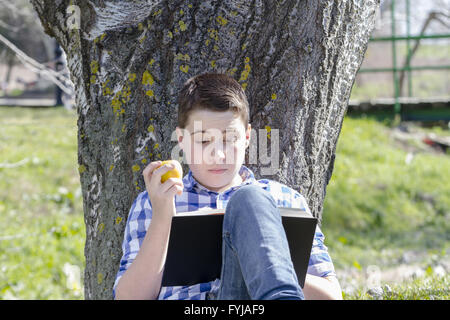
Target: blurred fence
406 107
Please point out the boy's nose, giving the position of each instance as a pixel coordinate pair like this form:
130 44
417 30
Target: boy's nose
218 154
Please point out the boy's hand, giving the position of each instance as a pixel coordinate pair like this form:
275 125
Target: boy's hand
161 194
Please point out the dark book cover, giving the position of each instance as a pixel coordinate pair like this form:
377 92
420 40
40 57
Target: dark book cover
194 253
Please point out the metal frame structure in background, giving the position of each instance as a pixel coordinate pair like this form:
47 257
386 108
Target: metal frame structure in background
408 68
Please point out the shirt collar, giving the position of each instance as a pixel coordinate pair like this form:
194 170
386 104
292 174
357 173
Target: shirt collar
190 183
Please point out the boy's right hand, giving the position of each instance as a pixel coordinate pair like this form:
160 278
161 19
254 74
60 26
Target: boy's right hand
161 194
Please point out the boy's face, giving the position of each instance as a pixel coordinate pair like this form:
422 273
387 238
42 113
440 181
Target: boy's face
214 145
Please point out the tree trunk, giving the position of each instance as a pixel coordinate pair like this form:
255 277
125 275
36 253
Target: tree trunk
297 61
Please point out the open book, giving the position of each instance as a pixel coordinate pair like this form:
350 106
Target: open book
194 253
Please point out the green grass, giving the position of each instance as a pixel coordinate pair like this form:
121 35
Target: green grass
377 208
40 205
429 287
373 189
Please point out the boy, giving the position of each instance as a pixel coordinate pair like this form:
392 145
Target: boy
256 261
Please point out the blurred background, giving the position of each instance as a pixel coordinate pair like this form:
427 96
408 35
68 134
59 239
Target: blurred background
32 65
421 33
386 213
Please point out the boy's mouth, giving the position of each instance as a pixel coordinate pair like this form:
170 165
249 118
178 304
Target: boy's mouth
217 171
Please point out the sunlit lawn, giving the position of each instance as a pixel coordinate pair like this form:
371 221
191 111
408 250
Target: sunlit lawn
42 229
386 209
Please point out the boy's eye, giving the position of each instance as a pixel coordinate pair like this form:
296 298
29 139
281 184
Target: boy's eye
231 138
226 139
202 140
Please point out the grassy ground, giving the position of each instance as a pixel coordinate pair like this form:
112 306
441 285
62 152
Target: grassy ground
381 214
386 214
42 228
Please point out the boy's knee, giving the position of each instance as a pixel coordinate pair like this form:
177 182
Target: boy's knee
251 194
246 192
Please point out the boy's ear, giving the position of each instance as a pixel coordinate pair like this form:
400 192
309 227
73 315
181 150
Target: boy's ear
180 136
183 138
248 135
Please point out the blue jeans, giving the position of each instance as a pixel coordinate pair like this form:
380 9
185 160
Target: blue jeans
256 263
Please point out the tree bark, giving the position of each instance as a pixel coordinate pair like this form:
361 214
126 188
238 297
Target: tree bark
297 61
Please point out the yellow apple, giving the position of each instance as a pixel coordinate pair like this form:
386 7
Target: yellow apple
177 172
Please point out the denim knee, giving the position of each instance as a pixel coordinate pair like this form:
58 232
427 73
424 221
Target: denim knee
251 193
251 200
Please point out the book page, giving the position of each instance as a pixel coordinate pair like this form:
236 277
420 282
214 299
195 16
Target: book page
284 211
200 212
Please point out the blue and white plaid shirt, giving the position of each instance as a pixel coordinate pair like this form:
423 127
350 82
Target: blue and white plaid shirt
196 196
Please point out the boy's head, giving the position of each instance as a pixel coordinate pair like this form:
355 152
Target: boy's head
212 91
213 129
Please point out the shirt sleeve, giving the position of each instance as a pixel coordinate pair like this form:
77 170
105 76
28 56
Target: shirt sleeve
138 221
320 263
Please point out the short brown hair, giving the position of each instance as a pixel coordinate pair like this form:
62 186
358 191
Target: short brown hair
212 91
